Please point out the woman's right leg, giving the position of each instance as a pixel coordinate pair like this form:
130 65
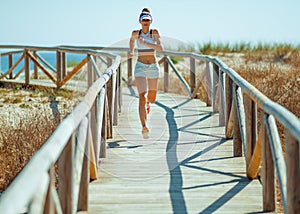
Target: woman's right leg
141 85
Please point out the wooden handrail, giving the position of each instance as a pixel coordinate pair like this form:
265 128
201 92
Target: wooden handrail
38 192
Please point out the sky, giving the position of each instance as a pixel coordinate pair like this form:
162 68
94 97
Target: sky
106 23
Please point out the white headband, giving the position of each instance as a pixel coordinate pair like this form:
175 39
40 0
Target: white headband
146 16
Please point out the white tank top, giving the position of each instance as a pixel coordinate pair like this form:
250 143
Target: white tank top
147 38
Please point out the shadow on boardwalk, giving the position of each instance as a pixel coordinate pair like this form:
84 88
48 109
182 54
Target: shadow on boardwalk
186 166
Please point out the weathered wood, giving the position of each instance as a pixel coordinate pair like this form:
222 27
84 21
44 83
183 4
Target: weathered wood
10 70
10 64
237 140
49 207
166 75
48 74
93 164
228 112
65 177
129 70
215 88
58 67
230 123
208 84
249 121
38 56
85 178
268 179
178 74
277 155
100 116
79 153
27 67
192 74
63 65
104 129
56 147
38 201
174 171
35 68
73 72
222 111
241 116
110 97
255 161
293 173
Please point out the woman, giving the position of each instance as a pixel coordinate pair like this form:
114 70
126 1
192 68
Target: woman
146 71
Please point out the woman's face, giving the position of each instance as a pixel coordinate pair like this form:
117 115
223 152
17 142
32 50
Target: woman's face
145 22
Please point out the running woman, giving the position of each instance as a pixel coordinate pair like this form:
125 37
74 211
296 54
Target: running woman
146 71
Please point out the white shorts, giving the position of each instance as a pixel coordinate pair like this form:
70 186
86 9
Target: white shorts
150 71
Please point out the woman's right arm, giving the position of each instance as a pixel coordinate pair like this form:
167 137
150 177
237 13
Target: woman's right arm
131 43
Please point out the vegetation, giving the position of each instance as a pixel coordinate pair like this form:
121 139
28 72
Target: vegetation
26 121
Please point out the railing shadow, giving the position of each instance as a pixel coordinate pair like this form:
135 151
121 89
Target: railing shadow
175 188
176 180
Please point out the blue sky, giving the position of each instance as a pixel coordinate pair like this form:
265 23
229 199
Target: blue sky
104 23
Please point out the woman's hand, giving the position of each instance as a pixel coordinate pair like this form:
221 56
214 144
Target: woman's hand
130 54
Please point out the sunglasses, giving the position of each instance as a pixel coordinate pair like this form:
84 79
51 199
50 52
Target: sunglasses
146 20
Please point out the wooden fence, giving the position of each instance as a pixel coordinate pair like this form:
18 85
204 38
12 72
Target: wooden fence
238 104
74 146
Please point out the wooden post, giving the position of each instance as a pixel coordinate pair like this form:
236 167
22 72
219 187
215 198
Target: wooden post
85 177
58 67
90 72
222 98
10 64
120 89
35 69
215 101
192 74
116 100
65 177
104 130
27 67
268 180
110 92
228 103
208 84
251 127
293 173
237 139
49 207
129 71
63 65
166 76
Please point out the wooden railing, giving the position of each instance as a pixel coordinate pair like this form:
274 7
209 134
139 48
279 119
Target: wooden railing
238 104
75 145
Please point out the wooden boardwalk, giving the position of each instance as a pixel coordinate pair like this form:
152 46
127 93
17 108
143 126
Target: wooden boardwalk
186 166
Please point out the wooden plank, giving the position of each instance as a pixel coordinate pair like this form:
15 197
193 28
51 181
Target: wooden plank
36 62
184 167
65 177
166 75
10 70
293 173
255 161
268 178
73 72
93 164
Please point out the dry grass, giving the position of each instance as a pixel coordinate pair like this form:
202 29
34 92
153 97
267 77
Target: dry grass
26 121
